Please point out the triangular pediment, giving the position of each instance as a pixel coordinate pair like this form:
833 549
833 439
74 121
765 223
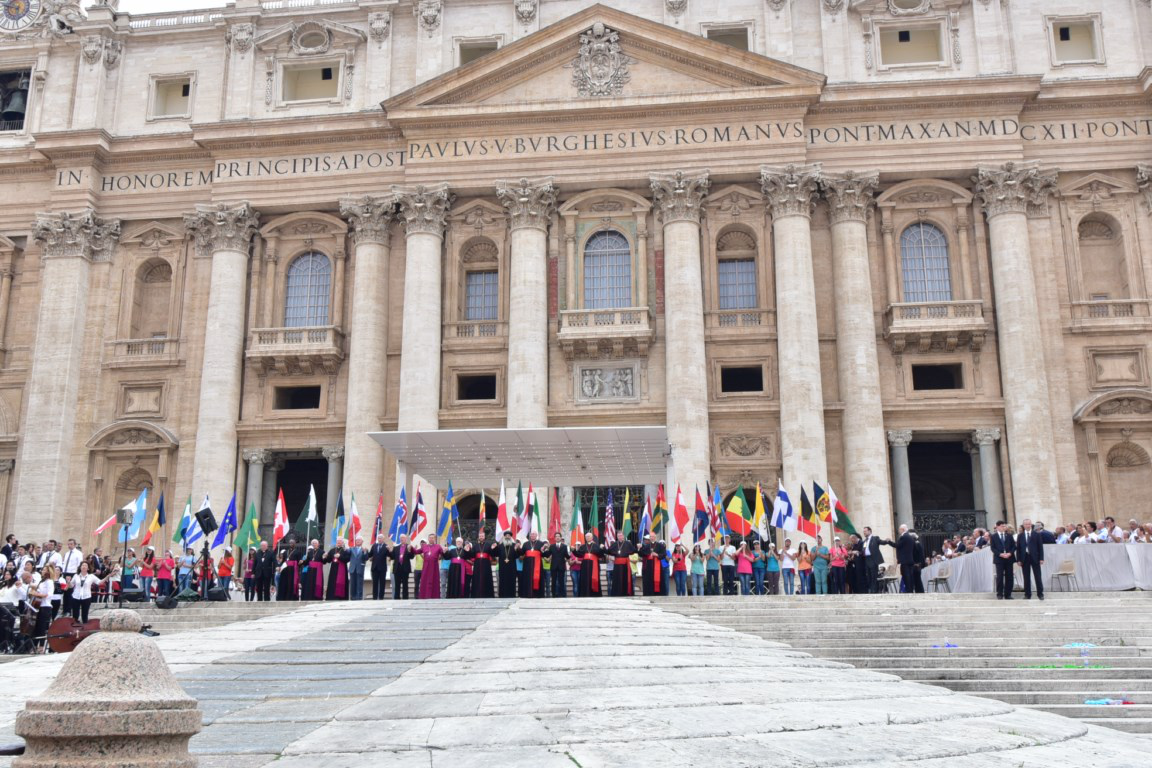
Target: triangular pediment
1096 186
153 235
604 55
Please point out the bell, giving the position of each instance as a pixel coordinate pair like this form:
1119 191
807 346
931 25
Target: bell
15 105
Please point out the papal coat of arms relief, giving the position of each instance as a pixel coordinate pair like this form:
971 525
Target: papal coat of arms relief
601 68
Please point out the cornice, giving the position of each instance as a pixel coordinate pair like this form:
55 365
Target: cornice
293 131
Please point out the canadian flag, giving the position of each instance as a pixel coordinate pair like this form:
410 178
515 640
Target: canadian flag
279 521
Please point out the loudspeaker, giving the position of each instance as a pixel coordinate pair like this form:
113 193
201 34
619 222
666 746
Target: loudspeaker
217 595
166 602
125 516
207 520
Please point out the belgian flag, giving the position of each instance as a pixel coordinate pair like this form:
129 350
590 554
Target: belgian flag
809 520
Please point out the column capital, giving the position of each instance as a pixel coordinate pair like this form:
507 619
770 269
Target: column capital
900 438
1014 188
222 227
985 435
7 465
680 195
790 190
424 209
76 235
333 453
849 194
256 455
530 204
369 217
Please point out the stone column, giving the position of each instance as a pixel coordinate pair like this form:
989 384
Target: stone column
71 243
867 486
973 452
424 211
530 206
901 475
990 481
678 198
255 458
370 222
1009 193
6 516
5 299
789 193
272 468
226 232
334 455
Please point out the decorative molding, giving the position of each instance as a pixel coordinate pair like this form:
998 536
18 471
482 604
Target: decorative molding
482 251
526 11
777 5
7 465
1015 188
424 208
256 455
84 235
954 24
530 204
985 435
833 6
600 383
676 7
240 36
790 190
1127 455
899 438
850 195
601 67
744 446
112 51
1091 229
369 218
1144 182
429 14
332 453
221 227
679 195
92 48
1125 406
380 25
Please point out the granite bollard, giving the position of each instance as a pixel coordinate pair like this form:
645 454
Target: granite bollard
114 703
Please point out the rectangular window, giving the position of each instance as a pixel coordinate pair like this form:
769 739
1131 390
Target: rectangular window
737 37
904 46
471 51
742 379
310 83
14 87
1075 41
736 281
476 387
937 377
481 295
172 98
296 398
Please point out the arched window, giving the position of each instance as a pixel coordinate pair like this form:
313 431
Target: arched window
607 271
307 290
151 299
924 263
736 271
1103 264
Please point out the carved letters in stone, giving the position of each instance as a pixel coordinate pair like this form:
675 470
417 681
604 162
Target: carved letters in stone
424 208
239 36
601 68
526 10
369 218
379 25
745 446
83 235
428 13
607 383
221 227
679 195
529 203
1015 188
790 190
849 194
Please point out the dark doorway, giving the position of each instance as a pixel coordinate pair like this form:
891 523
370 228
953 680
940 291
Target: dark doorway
469 507
943 503
294 480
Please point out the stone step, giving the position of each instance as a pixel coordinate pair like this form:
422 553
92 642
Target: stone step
971 652
1133 725
1137 665
899 645
1091 713
1106 687
923 674
1053 698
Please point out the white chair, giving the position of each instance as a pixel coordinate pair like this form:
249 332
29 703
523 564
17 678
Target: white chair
890 579
1066 576
941 579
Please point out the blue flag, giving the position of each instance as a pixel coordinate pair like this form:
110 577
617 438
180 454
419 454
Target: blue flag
227 525
449 514
139 508
399 526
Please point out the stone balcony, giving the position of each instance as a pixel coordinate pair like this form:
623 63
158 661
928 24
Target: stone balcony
297 351
475 334
1111 315
935 325
605 333
142 353
739 323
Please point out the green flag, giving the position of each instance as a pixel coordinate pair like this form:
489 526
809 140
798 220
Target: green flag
577 535
626 528
249 534
185 520
594 515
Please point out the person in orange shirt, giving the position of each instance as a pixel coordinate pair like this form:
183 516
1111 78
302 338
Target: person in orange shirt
224 572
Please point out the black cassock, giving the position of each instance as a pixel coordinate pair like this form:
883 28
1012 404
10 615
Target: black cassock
506 556
622 568
455 571
337 573
288 587
532 577
652 576
312 575
590 555
482 556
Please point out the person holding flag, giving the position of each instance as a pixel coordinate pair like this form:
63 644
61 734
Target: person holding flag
783 513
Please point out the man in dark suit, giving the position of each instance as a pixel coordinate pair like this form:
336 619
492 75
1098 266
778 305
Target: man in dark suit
873 558
1046 536
906 557
1030 553
264 570
401 555
378 565
918 558
1004 556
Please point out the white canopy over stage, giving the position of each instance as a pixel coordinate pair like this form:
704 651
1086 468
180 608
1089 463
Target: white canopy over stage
562 456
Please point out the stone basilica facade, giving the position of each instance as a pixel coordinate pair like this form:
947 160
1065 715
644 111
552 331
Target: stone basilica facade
901 246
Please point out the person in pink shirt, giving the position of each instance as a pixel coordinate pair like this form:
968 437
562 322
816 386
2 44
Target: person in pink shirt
838 566
744 568
164 569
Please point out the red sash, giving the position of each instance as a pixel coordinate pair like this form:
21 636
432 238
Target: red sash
589 557
483 556
538 558
626 562
657 580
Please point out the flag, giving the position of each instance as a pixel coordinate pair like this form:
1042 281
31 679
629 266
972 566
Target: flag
182 526
823 509
554 523
680 518
809 522
609 519
700 529
193 533
646 518
524 507
594 515
157 523
308 523
420 527
279 520
840 519
105 526
399 525
448 514
783 515
227 525
715 512
483 511
537 521
249 534
738 516
378 523
340 523
518 520
139 509
626 528
576 538
760 516
503 523
659 512
354 525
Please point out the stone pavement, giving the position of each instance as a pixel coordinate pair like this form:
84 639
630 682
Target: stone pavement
568 683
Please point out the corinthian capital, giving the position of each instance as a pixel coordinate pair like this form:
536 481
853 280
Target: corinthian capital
849 194
679 195
899 438
986 435
424 209
82 235
221 227
1014 188
790 190
529 203
370 217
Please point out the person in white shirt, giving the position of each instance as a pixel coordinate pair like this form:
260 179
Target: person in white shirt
82 584
788 567
42 602
12 598
70 561
49 556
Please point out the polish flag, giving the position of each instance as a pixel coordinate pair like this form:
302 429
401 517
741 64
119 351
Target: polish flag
105 526
680 518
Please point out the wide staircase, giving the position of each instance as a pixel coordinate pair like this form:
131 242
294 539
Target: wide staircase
189 617
1054 655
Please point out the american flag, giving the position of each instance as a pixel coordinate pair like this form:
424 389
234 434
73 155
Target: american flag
609 520
714 504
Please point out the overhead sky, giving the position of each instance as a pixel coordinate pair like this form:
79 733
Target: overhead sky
162 6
